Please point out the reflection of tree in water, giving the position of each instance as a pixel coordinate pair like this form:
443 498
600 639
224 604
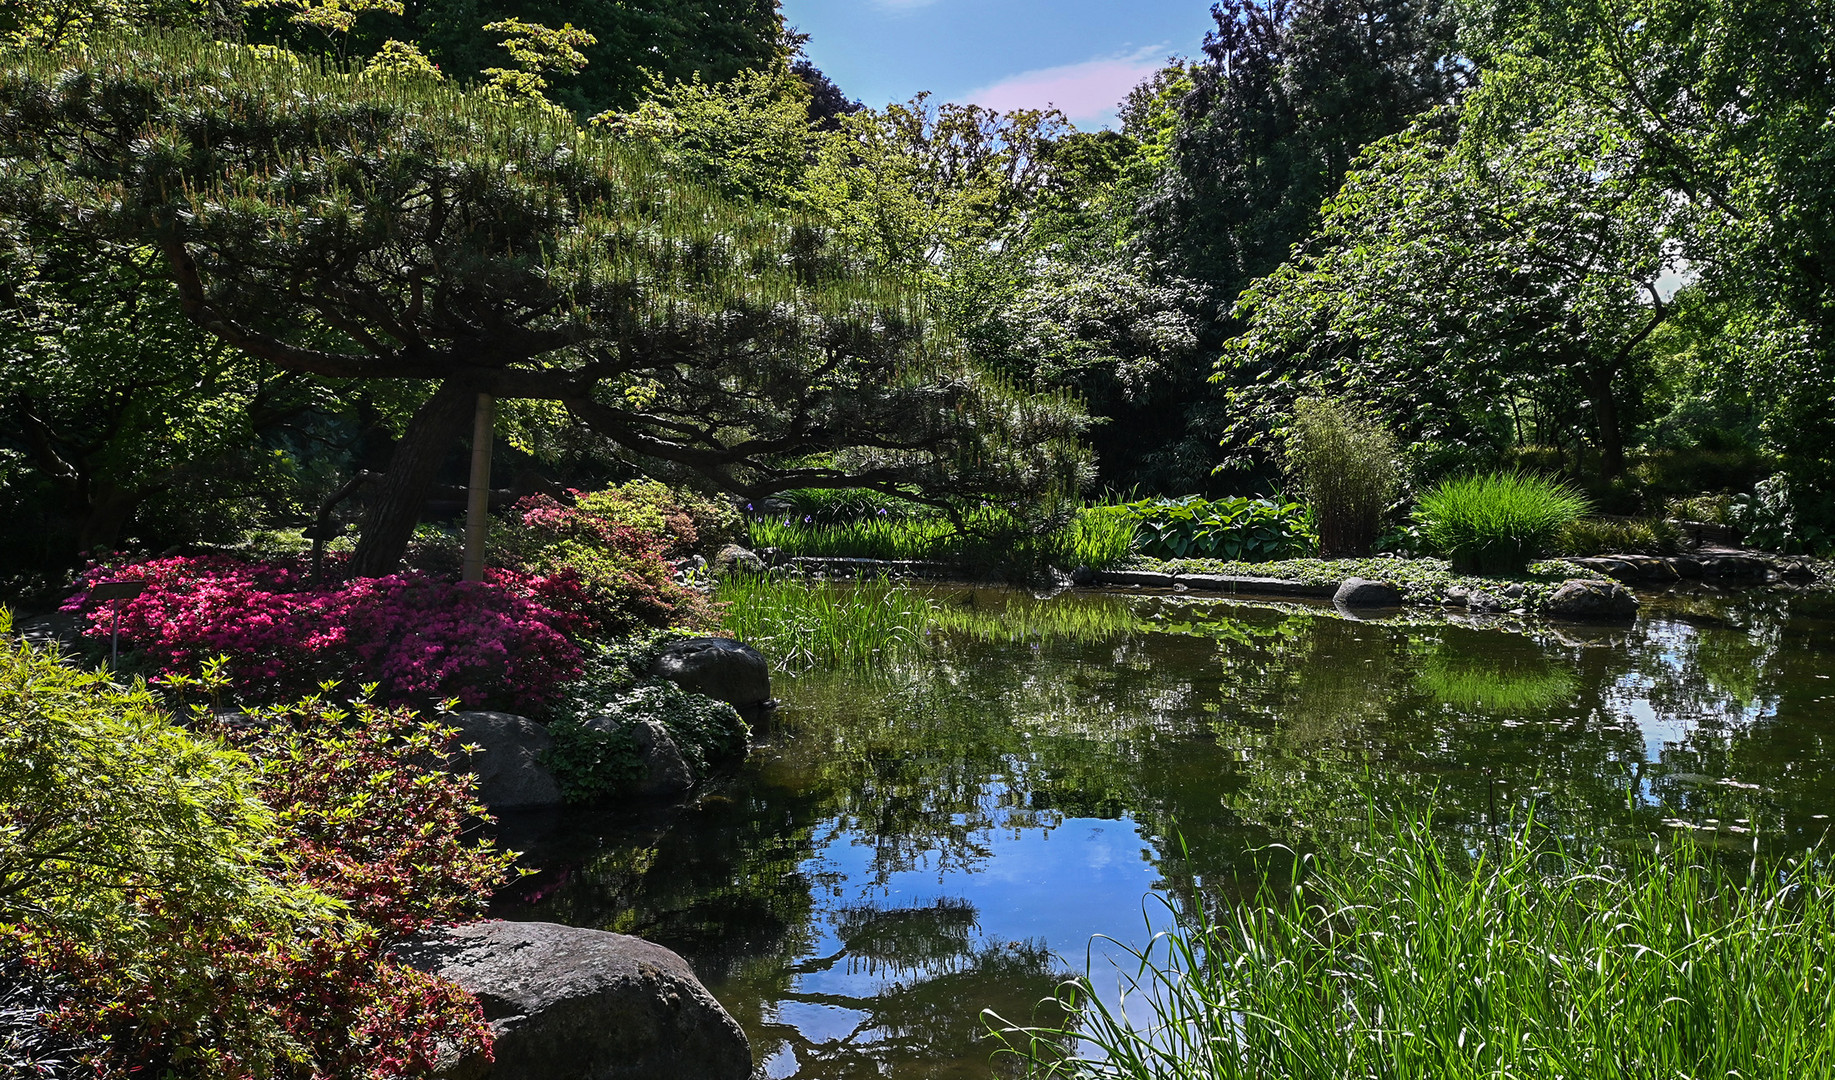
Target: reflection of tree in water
876 938
926 1022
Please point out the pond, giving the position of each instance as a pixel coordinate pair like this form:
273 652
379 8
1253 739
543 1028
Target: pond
910 846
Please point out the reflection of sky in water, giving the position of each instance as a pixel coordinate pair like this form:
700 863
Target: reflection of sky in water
1060 887
1677 644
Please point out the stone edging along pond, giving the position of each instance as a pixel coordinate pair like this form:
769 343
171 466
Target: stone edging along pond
1595 592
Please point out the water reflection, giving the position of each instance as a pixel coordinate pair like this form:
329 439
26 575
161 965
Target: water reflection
913 846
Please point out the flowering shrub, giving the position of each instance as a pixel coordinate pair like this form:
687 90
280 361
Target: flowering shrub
418 638
219 905
613 550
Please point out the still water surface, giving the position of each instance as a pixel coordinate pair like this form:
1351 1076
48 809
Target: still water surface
910 846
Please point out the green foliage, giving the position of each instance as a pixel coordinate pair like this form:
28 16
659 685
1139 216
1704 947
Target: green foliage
594 756
1404 959
102 797
590 764
1346 466
1706 509
749 137
1481 287
535 49
1251 530
1607 536
1771 517
636 43
1497 523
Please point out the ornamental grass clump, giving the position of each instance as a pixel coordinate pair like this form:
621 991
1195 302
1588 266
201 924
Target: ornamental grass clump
1497 523
1411 959
1346 466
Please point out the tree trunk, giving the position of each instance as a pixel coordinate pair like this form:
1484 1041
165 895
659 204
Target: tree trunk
401 494
1605 416
105 515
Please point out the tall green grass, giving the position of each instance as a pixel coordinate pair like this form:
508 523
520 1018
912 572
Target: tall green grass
803 625
1403 961
1097 536
1497 523
1348 466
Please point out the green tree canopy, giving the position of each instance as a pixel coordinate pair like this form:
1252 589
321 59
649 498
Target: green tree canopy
405 230
1479 291
1726 107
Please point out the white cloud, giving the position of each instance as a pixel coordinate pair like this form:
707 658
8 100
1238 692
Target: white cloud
1087 92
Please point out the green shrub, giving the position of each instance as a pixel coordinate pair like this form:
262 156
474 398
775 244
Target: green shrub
1609 536
211 903
1705 509
1251 530
1347 467
592 763
1408 960
102 795
1497 523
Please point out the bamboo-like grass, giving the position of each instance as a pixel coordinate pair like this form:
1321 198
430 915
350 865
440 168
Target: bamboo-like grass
1097 537
803 624
1402 961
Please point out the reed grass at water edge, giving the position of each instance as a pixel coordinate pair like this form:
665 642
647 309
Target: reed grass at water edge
1404 960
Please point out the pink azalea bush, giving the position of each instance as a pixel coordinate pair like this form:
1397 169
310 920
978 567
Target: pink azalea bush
419 638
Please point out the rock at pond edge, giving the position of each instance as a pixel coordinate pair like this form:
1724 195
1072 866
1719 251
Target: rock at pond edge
508 762
722 669
666 771
567 1003
1363 592
1583 600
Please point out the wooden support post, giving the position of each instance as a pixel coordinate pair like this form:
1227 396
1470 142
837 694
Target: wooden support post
478 494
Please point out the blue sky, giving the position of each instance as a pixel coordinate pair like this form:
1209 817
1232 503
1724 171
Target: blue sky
1082 55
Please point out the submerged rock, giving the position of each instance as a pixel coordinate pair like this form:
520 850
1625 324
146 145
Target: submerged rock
722 669
1585 600
571 1004
511 775
1363 592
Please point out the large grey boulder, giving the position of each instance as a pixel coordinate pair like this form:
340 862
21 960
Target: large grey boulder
571 1004
722 669
1362 592
735 559
1582 600
511 775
